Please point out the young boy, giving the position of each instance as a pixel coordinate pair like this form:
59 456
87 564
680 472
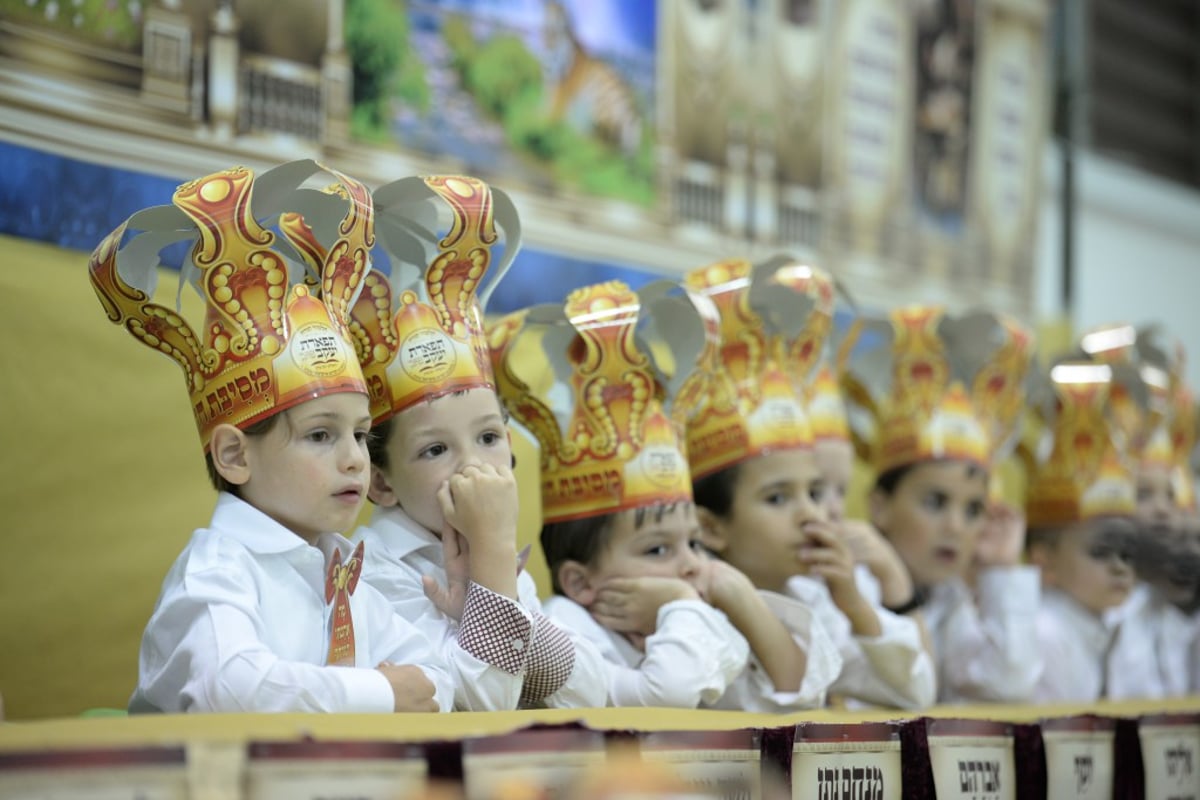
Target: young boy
263 610
442 542
931 449
1081 535
757 480
620 532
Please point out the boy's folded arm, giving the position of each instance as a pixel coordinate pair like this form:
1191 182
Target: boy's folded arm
692 658
235 671
892 669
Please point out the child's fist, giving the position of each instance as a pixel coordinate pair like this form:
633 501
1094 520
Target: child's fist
412 688
630 605
480 502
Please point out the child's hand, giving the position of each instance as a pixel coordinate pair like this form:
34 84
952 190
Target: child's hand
480 502
412 688
869 547
1002 539
829 556
451 598
728 587
630 605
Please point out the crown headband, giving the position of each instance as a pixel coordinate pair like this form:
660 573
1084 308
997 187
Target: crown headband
598 382
274 332
419 332
774 319
918 382
1084 474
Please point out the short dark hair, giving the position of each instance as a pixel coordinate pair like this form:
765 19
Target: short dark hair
889 481
260 428
583 540
715 491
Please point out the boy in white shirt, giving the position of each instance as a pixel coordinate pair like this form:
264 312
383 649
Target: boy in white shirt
264 609
442 542
1081 535
620 532
757 481
932 442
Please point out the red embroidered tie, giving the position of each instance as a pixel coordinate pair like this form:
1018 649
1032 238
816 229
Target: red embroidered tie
340 582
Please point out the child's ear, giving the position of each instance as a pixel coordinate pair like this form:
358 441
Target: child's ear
228 450
576 582
380 491
713 531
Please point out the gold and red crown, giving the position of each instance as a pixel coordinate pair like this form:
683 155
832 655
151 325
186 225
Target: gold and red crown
924 380
273 336
826 408
1084 473
597 381
774 320
419 331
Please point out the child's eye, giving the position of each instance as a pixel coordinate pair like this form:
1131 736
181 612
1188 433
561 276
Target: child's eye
697 546
433 451
656 550
975 509
362 437
817 491
934 501
318 436
489 437
775 498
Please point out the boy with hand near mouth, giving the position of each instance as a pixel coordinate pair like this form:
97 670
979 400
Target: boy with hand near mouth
442 542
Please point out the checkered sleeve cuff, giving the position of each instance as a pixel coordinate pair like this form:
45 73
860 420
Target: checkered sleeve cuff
495 630
551 660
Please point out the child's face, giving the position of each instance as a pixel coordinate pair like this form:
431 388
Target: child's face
665 545
933 518
774 498
432 441
1155 498
1090 561
311 470
835 462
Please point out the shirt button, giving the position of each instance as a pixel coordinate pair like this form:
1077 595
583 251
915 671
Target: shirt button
518 645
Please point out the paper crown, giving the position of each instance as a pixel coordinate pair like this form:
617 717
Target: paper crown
774 318
923 385
596 381
826 408
419 331
273 335
1082 473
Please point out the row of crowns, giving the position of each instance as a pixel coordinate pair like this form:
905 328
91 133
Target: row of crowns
294 308
631 395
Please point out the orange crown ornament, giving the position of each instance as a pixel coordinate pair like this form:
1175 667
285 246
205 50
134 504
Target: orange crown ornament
274 332
774 319
923 385
600 382
1082 473
419 331
1175 440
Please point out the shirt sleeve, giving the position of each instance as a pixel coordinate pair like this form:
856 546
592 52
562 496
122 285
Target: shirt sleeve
990 652
694 654
202 652
565 670
486 654
824 662
892 669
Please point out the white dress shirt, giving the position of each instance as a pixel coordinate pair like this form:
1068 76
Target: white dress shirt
1076 645
892 669
1152 656
688 662
505 653
985 645
242 624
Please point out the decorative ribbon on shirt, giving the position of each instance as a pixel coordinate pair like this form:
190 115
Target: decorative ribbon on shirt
340 582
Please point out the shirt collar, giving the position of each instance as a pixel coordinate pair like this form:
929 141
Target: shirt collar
400 535
259 533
